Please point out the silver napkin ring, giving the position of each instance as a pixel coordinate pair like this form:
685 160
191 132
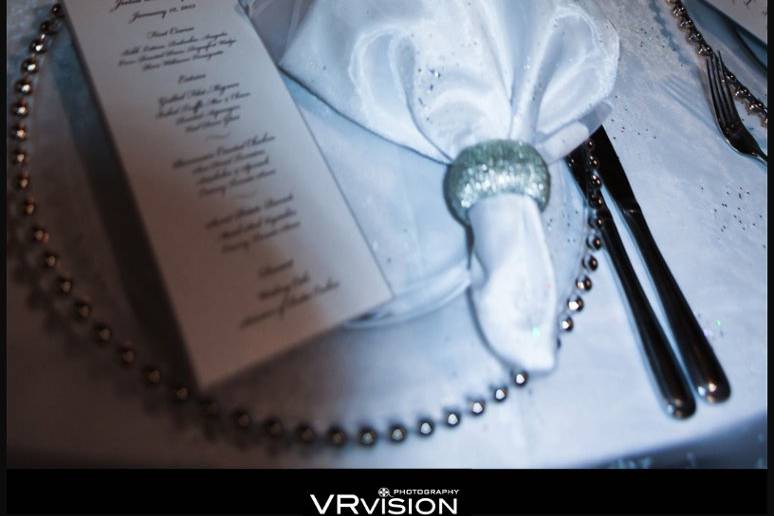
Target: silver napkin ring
494 167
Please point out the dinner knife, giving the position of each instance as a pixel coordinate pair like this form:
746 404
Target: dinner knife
675 395
703 367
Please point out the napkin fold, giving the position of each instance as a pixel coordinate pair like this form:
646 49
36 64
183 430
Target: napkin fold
438 77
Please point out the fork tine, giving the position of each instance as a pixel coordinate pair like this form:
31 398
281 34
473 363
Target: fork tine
726 107
725 114
715 94
726 88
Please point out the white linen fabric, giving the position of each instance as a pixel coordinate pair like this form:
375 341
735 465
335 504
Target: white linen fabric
681 171
513 285
439 77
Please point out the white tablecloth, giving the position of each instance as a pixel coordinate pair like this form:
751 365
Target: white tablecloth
706 206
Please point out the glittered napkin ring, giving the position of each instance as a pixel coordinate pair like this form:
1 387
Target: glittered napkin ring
494 167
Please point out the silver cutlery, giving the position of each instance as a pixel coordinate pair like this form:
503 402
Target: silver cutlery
675 395
734 131
704 370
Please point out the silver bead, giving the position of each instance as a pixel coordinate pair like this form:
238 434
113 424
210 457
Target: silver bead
704 50
520 378
242 419
273 428
152 376
102 333
28 207
305 433
590 262
398 433
30 65
23 86
596 200
23 181
50 27
20 109
594 242
741 92
477 407
679 10
19 132
566 324
50 260
127 355
500 393
40 235
82 310
575 303
64 285
695 36
337 436
425 427
583 283
57 11
452 418
755 107
595 220
38 46
181 394
367 436
19 157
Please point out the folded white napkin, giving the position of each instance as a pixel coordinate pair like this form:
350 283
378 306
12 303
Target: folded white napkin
438 77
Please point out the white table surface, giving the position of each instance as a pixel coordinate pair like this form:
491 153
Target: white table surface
706 206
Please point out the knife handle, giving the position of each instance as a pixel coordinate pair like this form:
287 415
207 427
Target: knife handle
675 394
703 367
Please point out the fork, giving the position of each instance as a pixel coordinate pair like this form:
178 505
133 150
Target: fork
734 131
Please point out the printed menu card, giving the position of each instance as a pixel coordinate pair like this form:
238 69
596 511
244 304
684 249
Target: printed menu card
255 242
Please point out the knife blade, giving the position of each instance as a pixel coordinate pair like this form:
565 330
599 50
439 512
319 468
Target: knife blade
704 370
673 390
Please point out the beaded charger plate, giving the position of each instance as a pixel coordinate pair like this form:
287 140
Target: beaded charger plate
76 237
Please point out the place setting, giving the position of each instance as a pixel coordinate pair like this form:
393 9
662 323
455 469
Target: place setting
328 233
